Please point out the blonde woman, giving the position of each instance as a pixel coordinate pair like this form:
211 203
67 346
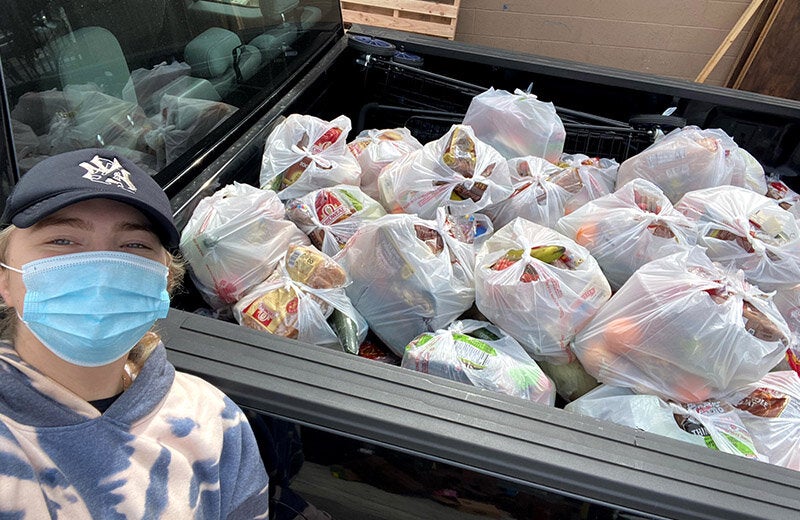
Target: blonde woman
94 421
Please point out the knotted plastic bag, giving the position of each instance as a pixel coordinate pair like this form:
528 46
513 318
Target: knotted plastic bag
749 231
517 124
299 300
374 149
685 329
628 228
330 216
539 286
458 172
407 277
305 153
233 241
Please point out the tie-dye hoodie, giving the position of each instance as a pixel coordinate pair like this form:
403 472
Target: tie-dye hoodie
171 446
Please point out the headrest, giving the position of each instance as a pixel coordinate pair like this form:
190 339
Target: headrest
210 54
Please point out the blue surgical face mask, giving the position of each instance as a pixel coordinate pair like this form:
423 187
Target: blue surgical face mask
91 308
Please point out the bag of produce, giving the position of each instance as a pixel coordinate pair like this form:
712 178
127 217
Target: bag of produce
330 216
305 153
628 228
479 354
686 159
585 178
233 241
539 286
770 410
406 277
304 299
750 231
685 329
374 149
517 124
458 172
714 424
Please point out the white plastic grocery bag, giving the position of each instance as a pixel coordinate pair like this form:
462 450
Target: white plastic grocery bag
406 278
330 216
770 410
233 241
480 354
305 153
374 149
517 124
686 159
299 298
539 286
713 424
628 228
457 171
750 231
685 329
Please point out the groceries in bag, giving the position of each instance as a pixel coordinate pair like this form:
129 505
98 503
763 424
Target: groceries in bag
539 286
517 124
374 149
457 171
536 196
770 410
787 198
305 153
330 216
233 241
685 329
479 354
750 231
304 299
406 277
628 228
713 424
586 178
688 159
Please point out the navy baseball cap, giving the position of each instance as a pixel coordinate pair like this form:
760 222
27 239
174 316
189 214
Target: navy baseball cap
92 173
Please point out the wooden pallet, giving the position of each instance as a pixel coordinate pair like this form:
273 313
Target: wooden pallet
418 16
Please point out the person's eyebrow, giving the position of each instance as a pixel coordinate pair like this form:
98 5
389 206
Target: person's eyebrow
54 220
135 226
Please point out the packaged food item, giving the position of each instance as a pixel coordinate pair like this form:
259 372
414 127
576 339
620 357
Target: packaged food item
770 410
788 303
539 286
330 216
685 329
374 149
304 299
585 178
787 198
480 354
571 379
406 277
687 159
458 172
740 227
305 153
517 124
233 241
628 228
714 424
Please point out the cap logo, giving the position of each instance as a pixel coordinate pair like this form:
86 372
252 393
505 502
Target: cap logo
108 172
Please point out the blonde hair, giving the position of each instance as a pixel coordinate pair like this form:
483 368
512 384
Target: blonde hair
141 351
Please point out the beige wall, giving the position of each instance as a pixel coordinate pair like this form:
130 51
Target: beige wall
668 37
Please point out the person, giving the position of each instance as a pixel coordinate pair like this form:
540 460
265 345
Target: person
94 420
